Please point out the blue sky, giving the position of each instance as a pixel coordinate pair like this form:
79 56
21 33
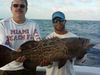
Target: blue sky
43 9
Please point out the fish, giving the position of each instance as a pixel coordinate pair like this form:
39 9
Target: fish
35 51
54 49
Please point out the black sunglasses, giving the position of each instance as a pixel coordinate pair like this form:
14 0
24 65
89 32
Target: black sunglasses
57 19
19 5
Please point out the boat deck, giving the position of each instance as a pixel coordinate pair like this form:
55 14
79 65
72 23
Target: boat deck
80 70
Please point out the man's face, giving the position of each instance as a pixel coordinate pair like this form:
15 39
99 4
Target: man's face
59 24
18 8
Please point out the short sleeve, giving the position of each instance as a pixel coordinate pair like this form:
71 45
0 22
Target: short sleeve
2 34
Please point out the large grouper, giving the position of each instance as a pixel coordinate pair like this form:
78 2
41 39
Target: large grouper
53 49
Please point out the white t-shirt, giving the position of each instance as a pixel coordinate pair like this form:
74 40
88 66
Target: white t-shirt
13 35
67 69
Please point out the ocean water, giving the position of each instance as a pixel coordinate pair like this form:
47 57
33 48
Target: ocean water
87 29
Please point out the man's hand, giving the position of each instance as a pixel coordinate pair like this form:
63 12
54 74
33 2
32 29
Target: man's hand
21 58
44 63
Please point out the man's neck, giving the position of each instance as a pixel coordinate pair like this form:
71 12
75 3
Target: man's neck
19 20
61 32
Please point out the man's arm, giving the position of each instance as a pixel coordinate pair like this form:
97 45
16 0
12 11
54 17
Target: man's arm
2 34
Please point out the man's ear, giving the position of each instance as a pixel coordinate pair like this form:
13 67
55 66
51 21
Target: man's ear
10 8
65 21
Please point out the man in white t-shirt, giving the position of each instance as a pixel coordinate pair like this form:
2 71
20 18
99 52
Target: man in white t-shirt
58 19
14 31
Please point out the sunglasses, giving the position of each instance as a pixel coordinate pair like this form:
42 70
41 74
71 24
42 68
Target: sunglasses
19 5
58 19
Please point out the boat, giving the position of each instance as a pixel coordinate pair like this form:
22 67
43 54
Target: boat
79 70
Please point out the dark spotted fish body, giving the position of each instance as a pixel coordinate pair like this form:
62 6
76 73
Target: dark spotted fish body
54 49
51 50
77 46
